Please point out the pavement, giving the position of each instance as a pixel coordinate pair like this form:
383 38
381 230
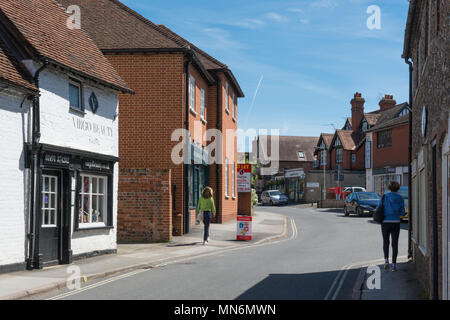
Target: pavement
399 285
266 227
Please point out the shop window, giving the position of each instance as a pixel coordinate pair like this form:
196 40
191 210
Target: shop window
75 95
384 139
93 211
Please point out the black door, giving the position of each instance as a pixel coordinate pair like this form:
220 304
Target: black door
50 231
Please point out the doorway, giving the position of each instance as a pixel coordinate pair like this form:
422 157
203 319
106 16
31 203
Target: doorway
51 217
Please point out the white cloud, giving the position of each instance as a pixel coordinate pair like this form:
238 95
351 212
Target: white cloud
247 23
324 4
276 17
304 21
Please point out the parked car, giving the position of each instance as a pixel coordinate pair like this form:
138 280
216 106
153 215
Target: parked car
403 191
348 190
361 203
273 197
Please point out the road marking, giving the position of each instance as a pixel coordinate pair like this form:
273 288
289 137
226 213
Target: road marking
163 264
97 284
342 275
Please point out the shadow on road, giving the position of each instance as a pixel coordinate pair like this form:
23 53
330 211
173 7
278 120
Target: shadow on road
306 286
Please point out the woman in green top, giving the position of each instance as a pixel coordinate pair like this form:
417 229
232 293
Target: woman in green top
206 204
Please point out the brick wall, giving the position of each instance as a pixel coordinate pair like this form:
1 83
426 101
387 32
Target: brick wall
430 89
397 155
145 205
148 118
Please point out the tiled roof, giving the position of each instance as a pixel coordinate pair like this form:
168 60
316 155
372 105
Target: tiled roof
11 71
43 24
114 26
349 139
372 118
289 146
388 118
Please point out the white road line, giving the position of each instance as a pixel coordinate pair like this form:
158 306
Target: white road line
163 264
344 272
97 284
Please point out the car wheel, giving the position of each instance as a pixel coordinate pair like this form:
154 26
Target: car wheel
359 212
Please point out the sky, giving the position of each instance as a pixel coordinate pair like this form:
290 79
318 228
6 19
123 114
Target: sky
298 62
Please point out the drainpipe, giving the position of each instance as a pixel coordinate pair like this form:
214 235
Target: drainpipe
33 256
188 145
411 69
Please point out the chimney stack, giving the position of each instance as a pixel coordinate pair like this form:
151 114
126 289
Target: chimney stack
387 102
357 110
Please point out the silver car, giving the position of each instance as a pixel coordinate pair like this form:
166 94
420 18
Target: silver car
273 197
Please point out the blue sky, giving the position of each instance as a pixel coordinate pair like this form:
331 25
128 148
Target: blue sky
306 58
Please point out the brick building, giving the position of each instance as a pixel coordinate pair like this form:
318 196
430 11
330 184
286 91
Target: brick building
289 167
427 51
386 146
59 139
177 86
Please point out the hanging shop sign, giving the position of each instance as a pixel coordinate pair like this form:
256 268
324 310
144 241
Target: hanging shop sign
244 183
244 228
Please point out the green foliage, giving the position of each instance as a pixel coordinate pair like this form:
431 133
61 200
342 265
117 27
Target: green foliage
254 197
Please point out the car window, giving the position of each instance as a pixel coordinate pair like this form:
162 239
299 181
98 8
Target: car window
358 190
368 196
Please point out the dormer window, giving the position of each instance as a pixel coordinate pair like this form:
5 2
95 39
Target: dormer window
301 155
337 143
364 125
402 113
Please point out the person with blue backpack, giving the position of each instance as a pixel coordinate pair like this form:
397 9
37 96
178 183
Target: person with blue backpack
394 207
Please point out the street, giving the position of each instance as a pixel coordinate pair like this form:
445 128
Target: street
318 259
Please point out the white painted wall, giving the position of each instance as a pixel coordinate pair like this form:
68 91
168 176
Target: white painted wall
60 127
13 134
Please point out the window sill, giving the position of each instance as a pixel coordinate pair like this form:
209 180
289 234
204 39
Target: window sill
234 119
227 197
234 197
203 120
81 228
78 111
227 111
193 111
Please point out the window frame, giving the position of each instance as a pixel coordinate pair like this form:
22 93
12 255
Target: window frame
387 144
226 177
340 152
76 83
227 98
106 199
192 98
202 103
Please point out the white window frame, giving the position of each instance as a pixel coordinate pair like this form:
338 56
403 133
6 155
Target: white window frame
226 177
77 84
227 99
233 180
91 194
202 104
323 157
54 210
192 93
232 107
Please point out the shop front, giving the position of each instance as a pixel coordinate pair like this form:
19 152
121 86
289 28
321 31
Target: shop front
76 194
382 178
295 184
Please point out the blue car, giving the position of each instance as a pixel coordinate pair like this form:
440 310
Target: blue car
361 203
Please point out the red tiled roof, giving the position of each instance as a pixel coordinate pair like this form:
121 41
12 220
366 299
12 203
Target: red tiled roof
349 139
115 27
11 71
43 24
